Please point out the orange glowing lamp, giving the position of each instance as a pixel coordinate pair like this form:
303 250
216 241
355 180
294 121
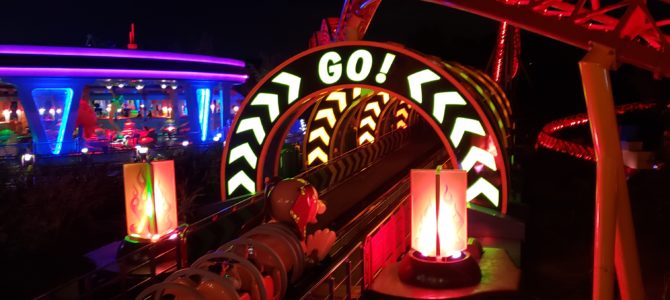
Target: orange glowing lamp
439 212
151 204
439 258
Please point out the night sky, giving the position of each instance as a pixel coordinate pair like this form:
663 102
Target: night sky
264 33
240 29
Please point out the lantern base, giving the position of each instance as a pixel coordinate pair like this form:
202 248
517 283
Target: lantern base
131 256
445 273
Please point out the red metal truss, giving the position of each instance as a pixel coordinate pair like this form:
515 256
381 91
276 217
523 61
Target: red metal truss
549 139
350 26
355 18
626 26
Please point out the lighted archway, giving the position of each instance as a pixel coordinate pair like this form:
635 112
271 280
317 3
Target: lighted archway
455 115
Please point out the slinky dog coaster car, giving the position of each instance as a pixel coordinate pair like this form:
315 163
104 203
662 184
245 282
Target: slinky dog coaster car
258 265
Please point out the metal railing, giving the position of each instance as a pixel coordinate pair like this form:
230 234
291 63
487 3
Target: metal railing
142 266
345 279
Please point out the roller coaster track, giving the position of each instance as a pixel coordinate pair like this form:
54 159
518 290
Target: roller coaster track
627 26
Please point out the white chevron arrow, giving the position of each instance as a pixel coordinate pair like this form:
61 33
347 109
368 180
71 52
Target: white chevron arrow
366 136
320 133
293 83
271 101
241 179
254 124
317 153
416 80
374 106
463 125
402 112
245 151
368 121
482 186
442 100
328 114
477 154
340 97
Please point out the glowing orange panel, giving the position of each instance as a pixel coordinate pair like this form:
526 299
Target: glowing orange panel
151 205
452 217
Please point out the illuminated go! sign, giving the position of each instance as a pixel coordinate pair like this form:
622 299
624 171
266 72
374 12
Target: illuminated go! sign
259 127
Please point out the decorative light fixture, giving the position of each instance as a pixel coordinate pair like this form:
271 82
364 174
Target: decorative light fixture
204 97
163 86
41 110
185 143
84 150
151 205
139 87
27 159
438 258
121 85
6 114
142 152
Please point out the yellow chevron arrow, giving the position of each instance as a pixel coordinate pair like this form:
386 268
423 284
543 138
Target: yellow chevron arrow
254 124
368 121
340 97
477 154
241 179
245 151
441 100
365 137
401 124
385 97
271 101
416 80
293 83
320 133
374 106
356 92
482 186
402 112
317 153
328 114
463 125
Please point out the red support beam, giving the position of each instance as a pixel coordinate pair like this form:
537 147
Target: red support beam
559 20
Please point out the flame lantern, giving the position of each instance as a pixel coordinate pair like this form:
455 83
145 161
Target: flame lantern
438 258
151 206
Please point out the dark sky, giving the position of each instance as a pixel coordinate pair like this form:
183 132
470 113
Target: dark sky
240 29
549 81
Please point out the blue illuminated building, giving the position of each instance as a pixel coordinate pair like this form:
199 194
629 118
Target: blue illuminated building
64 99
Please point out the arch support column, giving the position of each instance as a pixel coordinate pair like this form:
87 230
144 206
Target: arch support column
51 127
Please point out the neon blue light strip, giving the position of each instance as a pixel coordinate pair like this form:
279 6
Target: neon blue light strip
203 99
64 119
